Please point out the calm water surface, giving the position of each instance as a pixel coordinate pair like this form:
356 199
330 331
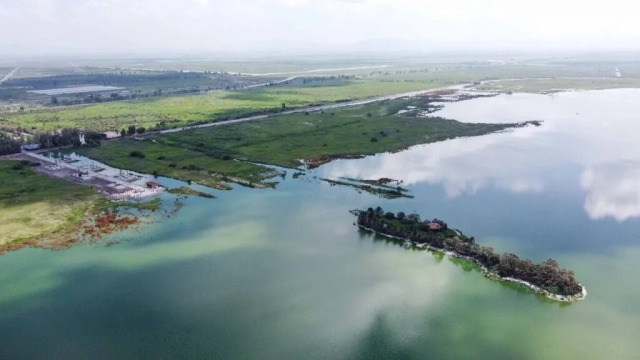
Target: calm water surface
284 274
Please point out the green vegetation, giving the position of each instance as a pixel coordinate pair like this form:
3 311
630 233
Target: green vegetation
436 234
319 137
33 205
558 84
175 162
211 156
183 110
382 183
381 191
190 192
150 205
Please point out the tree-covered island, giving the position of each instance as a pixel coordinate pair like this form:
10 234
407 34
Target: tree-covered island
546 278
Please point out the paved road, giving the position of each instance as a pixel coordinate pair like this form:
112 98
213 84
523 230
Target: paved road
272 82
315 108
9 75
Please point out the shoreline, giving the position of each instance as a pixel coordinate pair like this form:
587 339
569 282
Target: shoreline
489 274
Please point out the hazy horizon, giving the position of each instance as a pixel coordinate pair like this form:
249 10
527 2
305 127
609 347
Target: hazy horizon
84 27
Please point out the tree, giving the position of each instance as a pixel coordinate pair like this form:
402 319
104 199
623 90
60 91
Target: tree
138 154
54 100
123 133
413 218
140 130
132 130
284 106
401 216
390 216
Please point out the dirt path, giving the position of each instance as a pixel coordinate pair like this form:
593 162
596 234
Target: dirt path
9 75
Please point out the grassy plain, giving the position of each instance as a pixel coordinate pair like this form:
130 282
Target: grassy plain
366 129
206 156
400 76
199 155
182 110
557 84
175 162
32 205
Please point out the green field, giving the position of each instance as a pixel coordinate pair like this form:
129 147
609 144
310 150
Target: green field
207 155
34 204
175 162
558 84
400 75
182 110
366 129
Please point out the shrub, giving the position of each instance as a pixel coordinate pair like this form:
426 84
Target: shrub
137 154
172 165
161 157
373 139
192 168
226 157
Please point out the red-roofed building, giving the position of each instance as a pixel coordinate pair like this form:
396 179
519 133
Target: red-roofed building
153 185
434 226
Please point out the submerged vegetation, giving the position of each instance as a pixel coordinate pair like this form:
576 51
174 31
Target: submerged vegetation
382 191
546 278
190 192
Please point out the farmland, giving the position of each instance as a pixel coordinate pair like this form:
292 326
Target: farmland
138 84
157 98
183 110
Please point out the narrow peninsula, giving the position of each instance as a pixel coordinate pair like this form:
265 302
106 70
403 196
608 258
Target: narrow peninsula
546 278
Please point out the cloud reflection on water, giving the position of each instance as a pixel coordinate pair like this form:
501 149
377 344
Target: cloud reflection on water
462 166
593 130
613 190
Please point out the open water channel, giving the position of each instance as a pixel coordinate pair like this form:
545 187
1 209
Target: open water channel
284 274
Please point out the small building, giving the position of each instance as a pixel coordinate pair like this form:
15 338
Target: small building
153 185
111 134
30 147
434 226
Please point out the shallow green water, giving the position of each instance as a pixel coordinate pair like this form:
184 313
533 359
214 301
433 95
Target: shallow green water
284 274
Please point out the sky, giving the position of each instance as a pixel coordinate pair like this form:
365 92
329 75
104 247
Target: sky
39 27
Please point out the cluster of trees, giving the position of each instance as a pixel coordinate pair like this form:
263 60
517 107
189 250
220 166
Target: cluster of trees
546 275
132 131
327 78
8 145
60 138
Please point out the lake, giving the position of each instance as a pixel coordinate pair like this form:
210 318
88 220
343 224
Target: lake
284 274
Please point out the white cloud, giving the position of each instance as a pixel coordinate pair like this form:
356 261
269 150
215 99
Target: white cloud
204 25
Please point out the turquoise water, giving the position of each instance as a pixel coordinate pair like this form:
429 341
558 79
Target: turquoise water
284 274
